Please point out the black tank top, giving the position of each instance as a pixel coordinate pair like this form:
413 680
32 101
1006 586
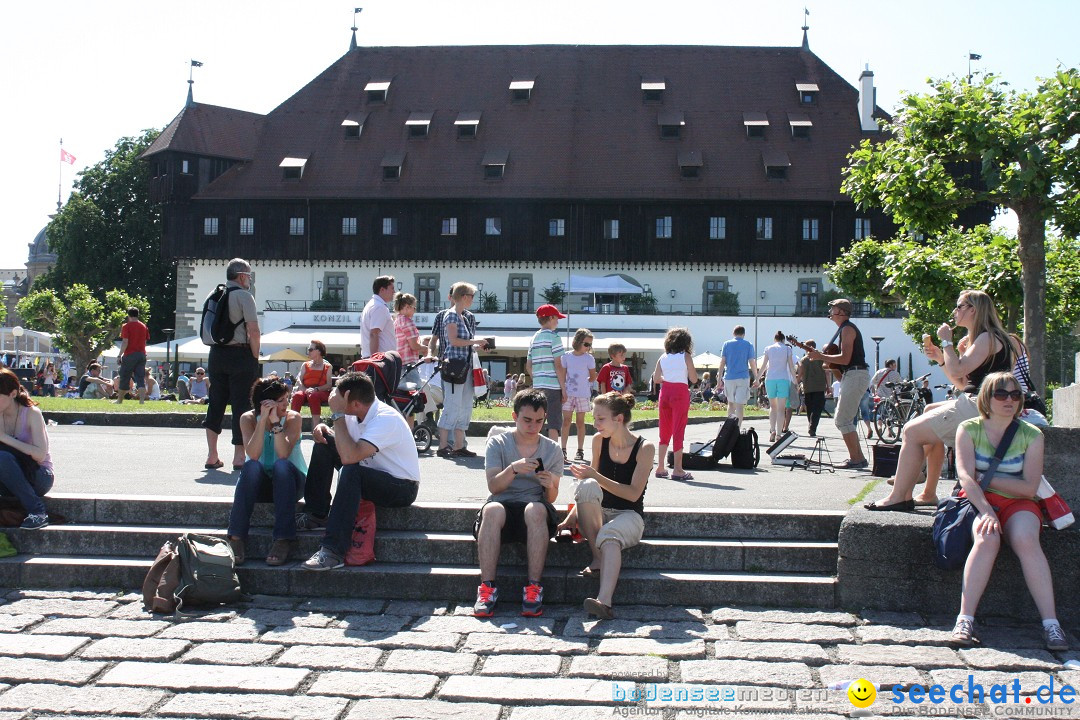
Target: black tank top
621 473
998 363
858 354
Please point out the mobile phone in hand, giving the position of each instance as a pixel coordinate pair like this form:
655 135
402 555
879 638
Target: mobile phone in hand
539 465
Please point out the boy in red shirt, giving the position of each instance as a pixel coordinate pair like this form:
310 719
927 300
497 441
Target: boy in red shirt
615 376
134 334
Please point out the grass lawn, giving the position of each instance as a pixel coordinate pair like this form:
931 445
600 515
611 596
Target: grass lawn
646 411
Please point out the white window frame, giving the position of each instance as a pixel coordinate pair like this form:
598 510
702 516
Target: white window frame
296 226
763 228
247 226
493 226
557 227
663 227
348 226
449 226
811 229
862 228
389 226
611 229
718 227
210 226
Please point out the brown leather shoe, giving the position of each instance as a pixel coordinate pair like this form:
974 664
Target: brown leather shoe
237 546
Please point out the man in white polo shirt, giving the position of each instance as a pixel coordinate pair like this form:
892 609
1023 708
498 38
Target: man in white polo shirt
376 324
378 462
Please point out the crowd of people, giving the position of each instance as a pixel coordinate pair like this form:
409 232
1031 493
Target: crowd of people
370 442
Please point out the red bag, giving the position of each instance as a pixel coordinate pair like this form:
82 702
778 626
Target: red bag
362 546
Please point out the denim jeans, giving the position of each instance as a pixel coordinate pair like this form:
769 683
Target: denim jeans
324 461
29 493
282 487
359 482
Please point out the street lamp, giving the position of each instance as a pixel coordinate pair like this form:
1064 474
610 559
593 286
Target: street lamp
877 351
169 332
17 333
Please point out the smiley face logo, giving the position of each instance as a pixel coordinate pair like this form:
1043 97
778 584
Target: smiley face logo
862 693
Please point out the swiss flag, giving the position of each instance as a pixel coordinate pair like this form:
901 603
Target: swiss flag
67 157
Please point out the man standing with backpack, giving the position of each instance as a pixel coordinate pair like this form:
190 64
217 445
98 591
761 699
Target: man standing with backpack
234 363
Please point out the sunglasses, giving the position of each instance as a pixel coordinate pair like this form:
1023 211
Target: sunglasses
586 344
1014 395
200 373
312 348
961 306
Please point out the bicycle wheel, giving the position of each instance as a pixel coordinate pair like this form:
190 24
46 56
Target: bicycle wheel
422 436
888 423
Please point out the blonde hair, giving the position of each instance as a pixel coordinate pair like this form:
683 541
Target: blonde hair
987 320
616 403
403 299
461 289
998 381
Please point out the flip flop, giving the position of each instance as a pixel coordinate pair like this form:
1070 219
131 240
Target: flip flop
662 474
599 609
684 476
902 506
214 466
588 572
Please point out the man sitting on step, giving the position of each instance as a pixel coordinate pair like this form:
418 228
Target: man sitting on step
372 444
523 469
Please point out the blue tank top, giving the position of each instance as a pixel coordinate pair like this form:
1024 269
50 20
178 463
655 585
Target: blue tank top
296 457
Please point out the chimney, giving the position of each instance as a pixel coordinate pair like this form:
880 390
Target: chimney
867 101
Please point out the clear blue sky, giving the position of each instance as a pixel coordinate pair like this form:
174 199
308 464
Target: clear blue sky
93 71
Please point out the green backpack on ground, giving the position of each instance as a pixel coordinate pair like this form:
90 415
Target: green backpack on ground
193 570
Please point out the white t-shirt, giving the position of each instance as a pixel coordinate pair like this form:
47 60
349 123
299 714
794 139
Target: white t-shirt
836 389
386 429
376 316
577 373
673 367
778 355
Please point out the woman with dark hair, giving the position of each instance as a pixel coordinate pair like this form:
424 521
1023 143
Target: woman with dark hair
25 466
778 369
674 373
990 350
275 470
1007 508
609 509
314 382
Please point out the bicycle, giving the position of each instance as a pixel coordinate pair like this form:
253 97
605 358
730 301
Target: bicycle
892 413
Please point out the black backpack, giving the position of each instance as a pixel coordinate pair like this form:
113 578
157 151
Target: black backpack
216 328
747 452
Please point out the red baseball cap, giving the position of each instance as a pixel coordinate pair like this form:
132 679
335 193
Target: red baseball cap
548 311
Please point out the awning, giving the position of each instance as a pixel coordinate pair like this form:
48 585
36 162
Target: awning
293 162
648 83
755 118
607 285
377 85
189 348
523 84
799 119
514 342
420 118
468 117
806 87
346 340
355 118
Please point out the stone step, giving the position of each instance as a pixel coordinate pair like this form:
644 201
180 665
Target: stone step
712 523
415 581
452 548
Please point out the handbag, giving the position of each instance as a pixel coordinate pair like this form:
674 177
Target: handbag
457 370
1032 399
955 515
480 388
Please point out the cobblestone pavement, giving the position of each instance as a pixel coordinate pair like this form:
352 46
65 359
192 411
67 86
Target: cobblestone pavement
98 654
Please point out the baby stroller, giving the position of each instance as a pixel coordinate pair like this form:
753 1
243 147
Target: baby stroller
386 371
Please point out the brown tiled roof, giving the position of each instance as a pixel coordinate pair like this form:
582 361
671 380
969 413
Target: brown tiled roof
212 131
584 133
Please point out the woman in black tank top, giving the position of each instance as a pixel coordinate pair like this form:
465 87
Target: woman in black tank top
925 437
609 508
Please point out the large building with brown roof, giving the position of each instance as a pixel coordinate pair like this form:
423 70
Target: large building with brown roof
687 171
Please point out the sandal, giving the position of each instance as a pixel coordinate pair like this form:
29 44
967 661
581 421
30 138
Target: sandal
214 465
902 506
684 476
279 552
599 609
237 546
662 474
588 571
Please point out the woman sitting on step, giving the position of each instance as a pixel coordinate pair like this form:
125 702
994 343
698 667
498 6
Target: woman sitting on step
610 499
274 472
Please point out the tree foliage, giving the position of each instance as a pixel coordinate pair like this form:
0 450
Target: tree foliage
108 235
964 143
927 276
82 325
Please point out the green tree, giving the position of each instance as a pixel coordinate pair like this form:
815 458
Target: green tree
554 294
640 304
964 143
82 325
724 302
108 235
926 276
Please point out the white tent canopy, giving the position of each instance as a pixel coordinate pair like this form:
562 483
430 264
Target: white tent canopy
607 285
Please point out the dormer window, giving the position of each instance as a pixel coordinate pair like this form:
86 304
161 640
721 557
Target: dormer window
495 164
377 90
521 89
353 124
467 123
800 125
690 163
755 123
671 123
418 124
293 167
652 90
776 164
807 93
391 165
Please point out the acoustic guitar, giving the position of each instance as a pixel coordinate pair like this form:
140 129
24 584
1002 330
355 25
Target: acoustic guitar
830 349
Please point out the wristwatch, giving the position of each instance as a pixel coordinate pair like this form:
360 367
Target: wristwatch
334 417
945 344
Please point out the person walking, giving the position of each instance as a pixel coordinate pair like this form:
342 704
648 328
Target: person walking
234 366
674 372
851 361
134 335
376 325
778 369
811 374
737 371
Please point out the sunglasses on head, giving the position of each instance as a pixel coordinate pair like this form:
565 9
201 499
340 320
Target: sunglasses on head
1015 395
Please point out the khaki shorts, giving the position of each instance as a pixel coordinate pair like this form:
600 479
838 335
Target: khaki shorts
946 419
738 390
623 526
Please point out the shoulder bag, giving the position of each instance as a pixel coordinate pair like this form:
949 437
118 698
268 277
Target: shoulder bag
955 515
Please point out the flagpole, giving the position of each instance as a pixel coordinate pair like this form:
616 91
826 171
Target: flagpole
60 180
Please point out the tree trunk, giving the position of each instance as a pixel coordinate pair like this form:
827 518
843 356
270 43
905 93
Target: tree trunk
1031 232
